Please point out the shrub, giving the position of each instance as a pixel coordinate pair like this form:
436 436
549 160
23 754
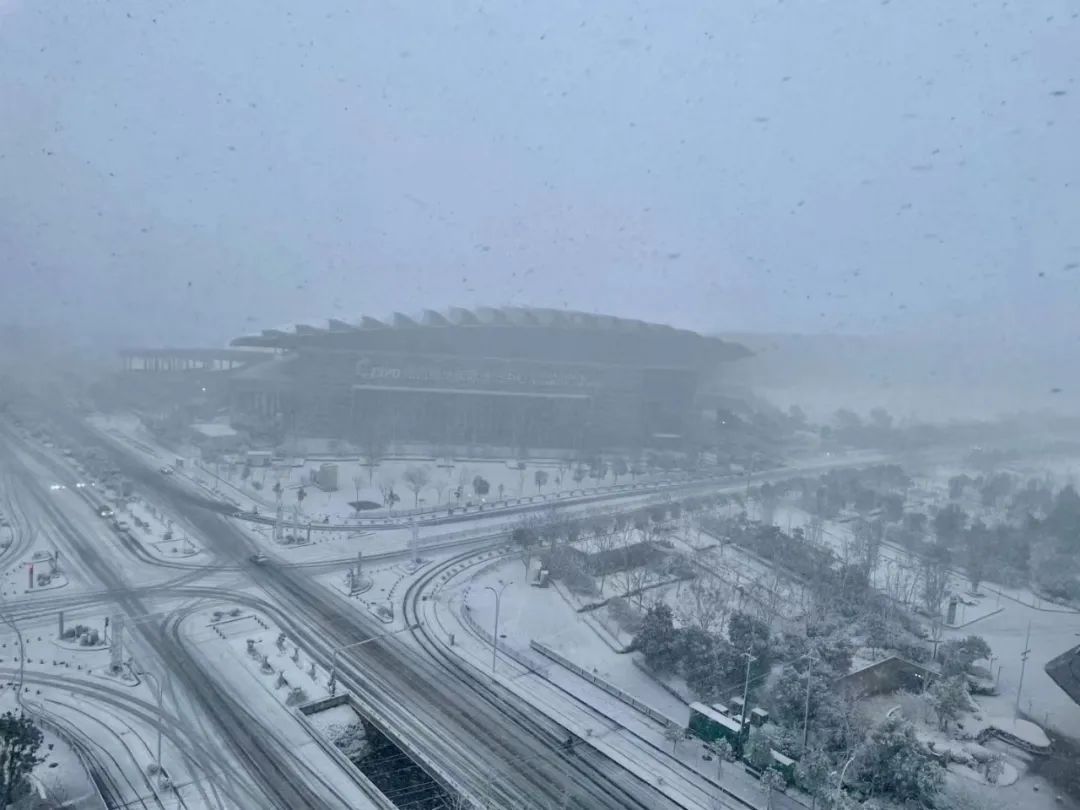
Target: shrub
296 695
913 651
628 619
758 754
579 582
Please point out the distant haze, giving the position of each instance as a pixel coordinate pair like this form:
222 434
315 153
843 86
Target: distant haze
184 172
921 378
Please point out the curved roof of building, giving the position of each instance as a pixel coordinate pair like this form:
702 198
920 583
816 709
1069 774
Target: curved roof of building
460 331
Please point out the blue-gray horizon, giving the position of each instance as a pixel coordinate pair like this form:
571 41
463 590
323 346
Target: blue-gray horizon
187 172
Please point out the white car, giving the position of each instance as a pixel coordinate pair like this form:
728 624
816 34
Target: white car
166 470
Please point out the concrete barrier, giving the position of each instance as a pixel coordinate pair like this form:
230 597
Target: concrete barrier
377 797
610 688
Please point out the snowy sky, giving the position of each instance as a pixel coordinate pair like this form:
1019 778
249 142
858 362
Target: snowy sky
186 171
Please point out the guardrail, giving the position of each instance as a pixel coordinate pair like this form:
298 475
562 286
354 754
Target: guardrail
504 649
335 753
611 689
449 513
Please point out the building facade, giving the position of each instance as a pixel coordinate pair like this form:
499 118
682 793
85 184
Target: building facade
509 377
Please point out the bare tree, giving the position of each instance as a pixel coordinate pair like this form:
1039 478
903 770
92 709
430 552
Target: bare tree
626 564
464 478
416 478
619 467
525 536
358 481
603 540
639 578
674 734
935 584
705 603
386 488
374 444
541 478
440 484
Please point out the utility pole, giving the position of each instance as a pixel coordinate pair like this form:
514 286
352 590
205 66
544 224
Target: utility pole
1023 665
806 708
746 690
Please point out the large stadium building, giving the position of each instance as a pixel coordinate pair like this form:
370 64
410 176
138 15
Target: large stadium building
511 377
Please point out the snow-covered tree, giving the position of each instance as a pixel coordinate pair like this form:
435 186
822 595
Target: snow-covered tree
705 603
894 765
656 639
949 697
772 782
674 734
416 478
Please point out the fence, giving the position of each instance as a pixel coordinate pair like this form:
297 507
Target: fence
611 689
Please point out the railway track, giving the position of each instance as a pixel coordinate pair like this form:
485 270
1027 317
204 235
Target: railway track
576 756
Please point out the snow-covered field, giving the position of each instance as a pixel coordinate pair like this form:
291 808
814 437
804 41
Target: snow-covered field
435 487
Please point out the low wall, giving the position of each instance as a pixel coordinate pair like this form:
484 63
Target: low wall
377 797
504 649
611 689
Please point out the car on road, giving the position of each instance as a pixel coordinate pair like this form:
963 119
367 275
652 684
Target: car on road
105 512
166 470
258 558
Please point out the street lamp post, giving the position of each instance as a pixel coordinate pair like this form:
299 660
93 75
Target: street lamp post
158 689
495 635
332 682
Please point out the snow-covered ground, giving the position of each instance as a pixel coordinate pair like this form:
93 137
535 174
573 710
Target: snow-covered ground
61 776
69 686
1015 785
356 481
271 679
160 534
1002 618
465 608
